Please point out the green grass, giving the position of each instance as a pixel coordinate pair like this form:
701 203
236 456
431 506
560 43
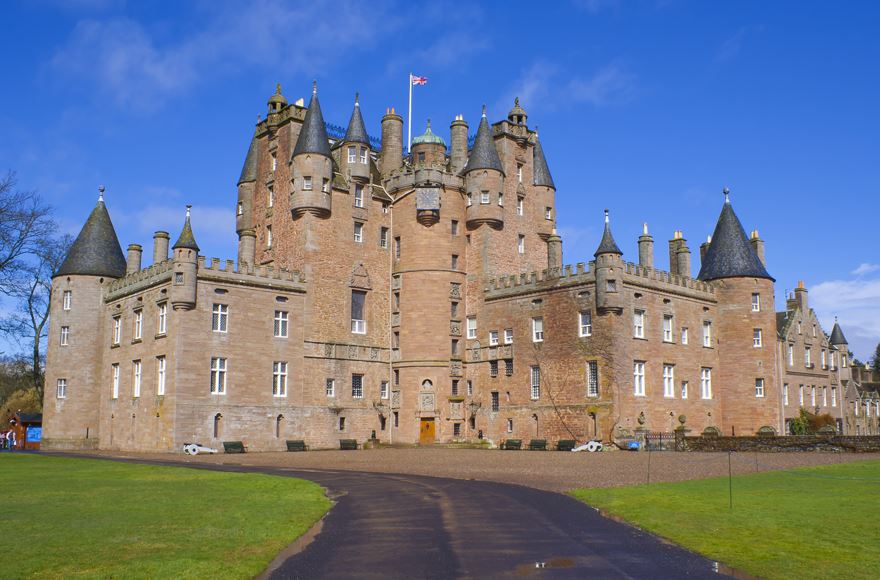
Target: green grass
87 518
818 522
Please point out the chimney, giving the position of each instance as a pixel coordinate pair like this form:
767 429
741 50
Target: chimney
458 130
392 142
646 248
758 246
800 296
160 247
704 247
133 264
674 244
683 258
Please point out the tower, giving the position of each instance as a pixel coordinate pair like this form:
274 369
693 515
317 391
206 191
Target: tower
544 187
392 143
311 165
356 147
185 257
484 180
609 272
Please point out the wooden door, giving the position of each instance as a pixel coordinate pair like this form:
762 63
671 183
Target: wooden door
426 434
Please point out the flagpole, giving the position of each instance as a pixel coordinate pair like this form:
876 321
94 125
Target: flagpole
409 116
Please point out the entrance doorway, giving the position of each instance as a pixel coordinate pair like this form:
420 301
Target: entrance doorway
426 433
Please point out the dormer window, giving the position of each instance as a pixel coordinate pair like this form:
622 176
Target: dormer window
364 155
352 154
307 182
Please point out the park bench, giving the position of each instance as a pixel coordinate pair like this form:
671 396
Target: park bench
565 445
348 444
512 444
234 447
538 445
297 445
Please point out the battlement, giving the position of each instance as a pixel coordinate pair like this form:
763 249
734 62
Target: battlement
673 281
136 281
527 282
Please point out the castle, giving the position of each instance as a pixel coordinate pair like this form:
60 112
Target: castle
420 297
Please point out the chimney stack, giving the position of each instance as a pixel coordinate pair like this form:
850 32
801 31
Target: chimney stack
758 246
160 246
646 248
674 245
459 151
704 247
392 142
800 296
133 264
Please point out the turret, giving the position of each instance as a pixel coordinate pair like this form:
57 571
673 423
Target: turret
247 182
428 149
356 147
392 143
458 137
276 101
160 246
517 115
186 253
609 272
542 181
247 250
554 255
484 180
311 165
646 248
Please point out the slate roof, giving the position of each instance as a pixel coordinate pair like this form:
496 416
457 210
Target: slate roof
837 335
96 250
782 322
356 132
313 135
483 154
186 240
730 254
249 170
541 173
607 245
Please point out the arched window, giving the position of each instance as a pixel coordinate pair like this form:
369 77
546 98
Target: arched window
217 419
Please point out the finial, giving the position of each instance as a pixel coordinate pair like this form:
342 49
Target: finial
101 193
278 89
835 319
726 192
314 87
606 216
645 229
484 110
259 119
188 208
429 125
357 99
516 102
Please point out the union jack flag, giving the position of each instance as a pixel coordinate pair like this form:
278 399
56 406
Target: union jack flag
419 80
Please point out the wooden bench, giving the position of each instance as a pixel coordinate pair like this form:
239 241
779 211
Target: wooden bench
297 445
348 444
234 447
566 445
512 444
538 445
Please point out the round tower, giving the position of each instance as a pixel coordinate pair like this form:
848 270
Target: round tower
311 165
428 149
544 187
185 268
609 272
458 141
392 143
247 182
355 158
484 180
247 249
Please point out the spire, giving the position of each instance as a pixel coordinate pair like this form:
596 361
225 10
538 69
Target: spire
249 170
607 245
540 171
313 134
96 250
187 239
484 155
356 132
837 337
730 254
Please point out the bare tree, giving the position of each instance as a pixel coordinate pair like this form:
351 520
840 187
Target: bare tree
25 223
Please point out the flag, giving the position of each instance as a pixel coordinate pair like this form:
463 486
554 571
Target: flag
419 80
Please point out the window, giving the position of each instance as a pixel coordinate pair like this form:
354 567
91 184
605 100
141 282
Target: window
421 156
667 328
384 393
270 201
330 387
639 379
813 396
756 302
218 376
136 389
508 367
519 206
548 213
493 368
160 375
807 356
484 197
397 248
592 379
453 347
363 155
454 262
684 335
274 162
707 334
684 389
352 154
519 172
501 199
219 317
833 396
585 324
325 185
639 324
358 322
791 355
669 381
454 389
470 388
495 403
536 382
138 324
396 377
824 359
510 425
279 379
471 327
357 386
61 389
493 338
163 318
383 238
824 396
358 195
453 309
396 419
280 326
114 373
117 329
307 182
178 278
358 232
611 285
785 394
801 395
706 383
537 329
759 388
240 208
454 227
521 244
508 336
342 423
66 300
756 338
65 335
814 331
470 200
456 429
843 360
800 330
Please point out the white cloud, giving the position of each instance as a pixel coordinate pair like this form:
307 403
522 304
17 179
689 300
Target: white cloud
610 85
856 303
865 268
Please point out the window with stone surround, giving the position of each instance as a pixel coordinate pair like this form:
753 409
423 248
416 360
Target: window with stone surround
240 210
813 395
268 237
470 200
791 355
684 389
61 389
325 186
342 423
330 387
280 324
521 244
548 213
218 376
270 196
537 329
397 247
279 379
383 238
519 172
807 357
508 336
454 262
705 383
470 388
471 327
535 373
824 396
493 368
707 334
785 394
456 429
162 319
454 227
638 324
756 302
585 324
508 367
453 347
495 402
138 324
363 155
484 197
757 338
519 206
669 381
358 232
592 379
510 425
358 195
65 335
307 182
160 375
824 359
454 388
501 199
117 330
114 377
66 300
667 328
358 314
384 391
759 388
833 396
493 338
136 371
639 378
801 395
274 162
357 386
219 317
684 335
352 153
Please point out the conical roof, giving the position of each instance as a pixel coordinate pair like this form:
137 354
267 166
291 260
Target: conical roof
356 132
540 172
607 245
730 254
313 135
186 240
837 335
96 250
249 170
483 155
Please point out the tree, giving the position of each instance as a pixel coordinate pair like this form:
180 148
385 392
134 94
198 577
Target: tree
25 222
876 362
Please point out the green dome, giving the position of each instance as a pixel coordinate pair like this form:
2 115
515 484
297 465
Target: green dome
429 137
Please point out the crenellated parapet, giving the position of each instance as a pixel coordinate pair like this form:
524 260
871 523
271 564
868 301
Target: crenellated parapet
664 281
135 282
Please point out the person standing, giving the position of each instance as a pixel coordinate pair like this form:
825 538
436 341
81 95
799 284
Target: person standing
10 440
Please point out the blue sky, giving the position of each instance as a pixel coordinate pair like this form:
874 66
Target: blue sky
647 107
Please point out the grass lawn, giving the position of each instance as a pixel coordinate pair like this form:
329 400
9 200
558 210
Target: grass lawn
817 522
64 517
